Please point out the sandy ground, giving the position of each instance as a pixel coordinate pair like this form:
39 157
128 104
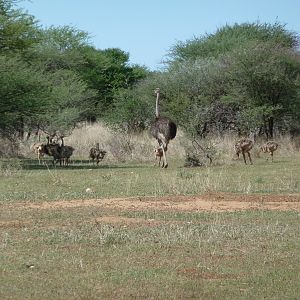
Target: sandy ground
210 202
214 202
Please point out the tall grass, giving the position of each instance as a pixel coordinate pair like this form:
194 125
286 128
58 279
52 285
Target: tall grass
122 147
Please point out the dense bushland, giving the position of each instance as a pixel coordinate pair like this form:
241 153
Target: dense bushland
243 78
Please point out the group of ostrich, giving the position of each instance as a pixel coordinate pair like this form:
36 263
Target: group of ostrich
163 129
61 153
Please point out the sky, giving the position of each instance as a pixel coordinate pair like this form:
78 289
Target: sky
147 29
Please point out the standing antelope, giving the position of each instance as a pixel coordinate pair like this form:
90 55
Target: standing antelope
244 146
269 147
158 154
37 148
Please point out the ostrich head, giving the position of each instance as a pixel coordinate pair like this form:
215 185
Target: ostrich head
157 91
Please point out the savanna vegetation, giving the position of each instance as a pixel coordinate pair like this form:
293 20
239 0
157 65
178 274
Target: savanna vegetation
126 229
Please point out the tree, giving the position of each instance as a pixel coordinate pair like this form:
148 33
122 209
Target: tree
23 94
266 84
59 48
240 78
18 31
39 87
107 71
228 38
130 112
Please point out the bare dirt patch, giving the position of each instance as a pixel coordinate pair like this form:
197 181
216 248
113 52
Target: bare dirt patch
210 202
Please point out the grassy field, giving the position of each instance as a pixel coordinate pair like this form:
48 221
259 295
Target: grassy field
39 183
90 252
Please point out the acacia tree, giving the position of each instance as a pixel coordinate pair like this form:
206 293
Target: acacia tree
107 71
23 93
265 84
18 31
35 89
242 77
228 38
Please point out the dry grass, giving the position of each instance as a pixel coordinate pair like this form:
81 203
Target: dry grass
108 252
122 147
83 253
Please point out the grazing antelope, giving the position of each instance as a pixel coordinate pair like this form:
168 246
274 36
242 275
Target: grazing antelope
244 146
269 147
97 154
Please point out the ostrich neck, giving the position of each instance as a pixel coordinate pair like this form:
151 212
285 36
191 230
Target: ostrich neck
157 109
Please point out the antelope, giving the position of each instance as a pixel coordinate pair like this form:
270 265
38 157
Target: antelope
158 154
37 148
244 146
269 147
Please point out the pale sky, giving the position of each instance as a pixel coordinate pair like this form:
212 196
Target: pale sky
147 29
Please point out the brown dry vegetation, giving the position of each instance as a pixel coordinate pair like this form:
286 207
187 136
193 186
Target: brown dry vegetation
139 147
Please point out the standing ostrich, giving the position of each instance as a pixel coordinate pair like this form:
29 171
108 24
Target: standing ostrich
163 129
97 154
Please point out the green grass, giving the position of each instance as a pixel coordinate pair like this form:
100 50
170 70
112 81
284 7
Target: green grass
69 253
39 183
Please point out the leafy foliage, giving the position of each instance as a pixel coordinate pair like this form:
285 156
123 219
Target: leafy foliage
229 38
52 78
242 78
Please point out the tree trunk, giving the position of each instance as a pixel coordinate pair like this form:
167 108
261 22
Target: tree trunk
271 127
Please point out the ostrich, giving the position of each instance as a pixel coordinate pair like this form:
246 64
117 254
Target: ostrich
269 147
97 154
52 149
61 153
163 129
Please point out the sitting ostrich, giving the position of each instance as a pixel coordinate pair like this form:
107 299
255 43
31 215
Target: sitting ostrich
97 154
163 129
244 146
269 147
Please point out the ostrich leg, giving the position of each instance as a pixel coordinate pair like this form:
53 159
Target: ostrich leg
165 163
163 145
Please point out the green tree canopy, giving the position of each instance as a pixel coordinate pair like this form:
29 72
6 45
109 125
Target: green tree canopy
241 78
228 38
18 31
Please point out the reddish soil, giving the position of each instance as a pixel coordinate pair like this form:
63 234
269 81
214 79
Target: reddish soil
214 202
210 202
